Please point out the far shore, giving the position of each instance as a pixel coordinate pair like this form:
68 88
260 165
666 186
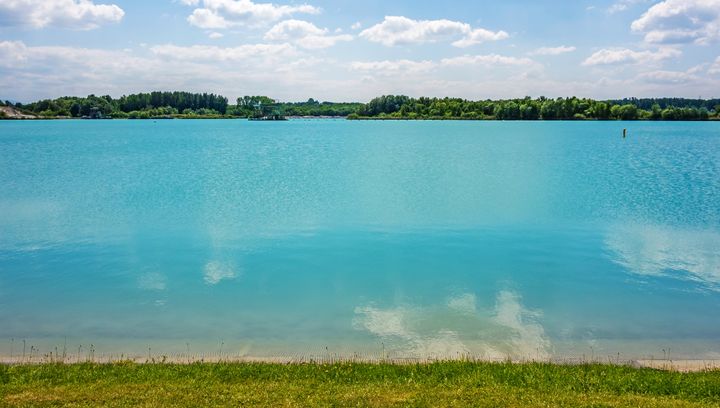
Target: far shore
453 118
382 119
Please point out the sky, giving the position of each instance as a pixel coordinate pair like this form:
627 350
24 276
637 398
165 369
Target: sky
342 50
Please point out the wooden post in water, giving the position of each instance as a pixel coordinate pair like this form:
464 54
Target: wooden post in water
624 133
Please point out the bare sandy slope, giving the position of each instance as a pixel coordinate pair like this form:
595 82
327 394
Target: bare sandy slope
13 113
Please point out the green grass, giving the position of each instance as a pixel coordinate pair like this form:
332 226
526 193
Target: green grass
448 384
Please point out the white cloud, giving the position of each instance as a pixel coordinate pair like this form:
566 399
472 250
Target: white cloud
618 56
667 77
304 34
698 68
230 71
215 35
715 67
205 18
404 71
395 30
680 21
281 71
302 64
45 56
623 5
479 36
552 50
488 60
393 67
12 53
219 14
356 26
73 14
214 53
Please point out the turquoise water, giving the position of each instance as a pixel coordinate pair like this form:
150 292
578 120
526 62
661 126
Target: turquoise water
405 239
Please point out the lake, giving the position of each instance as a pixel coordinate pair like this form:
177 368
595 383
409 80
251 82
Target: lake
524 240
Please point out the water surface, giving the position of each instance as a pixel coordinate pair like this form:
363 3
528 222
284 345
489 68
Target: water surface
405 239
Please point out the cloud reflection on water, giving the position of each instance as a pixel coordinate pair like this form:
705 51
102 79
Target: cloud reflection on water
153 281
458 328
655 250
216 271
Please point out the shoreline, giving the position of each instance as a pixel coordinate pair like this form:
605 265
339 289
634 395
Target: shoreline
359 119
442 119
439 384
679 365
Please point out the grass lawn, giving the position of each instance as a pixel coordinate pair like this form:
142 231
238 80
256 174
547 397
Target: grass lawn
447 384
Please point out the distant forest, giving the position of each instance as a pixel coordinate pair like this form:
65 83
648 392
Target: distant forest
404 107
197 105
178 104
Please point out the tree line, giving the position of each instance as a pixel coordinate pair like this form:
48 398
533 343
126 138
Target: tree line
179 104
542 108
134 105
186 104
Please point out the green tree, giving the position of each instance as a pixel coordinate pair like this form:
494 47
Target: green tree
656 112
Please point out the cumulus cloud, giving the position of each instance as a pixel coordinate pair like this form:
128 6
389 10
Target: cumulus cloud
618 56
553 50
402 69
12 53
219 14
214 53
487 60
623 5
680 21
281 70
24 70
479 36
715 67
393 67
15 54
668 77
304 34
73 14
215 35
396 30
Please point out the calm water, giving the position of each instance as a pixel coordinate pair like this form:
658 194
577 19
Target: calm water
422 239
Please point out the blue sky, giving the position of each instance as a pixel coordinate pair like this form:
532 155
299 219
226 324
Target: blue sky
351 51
